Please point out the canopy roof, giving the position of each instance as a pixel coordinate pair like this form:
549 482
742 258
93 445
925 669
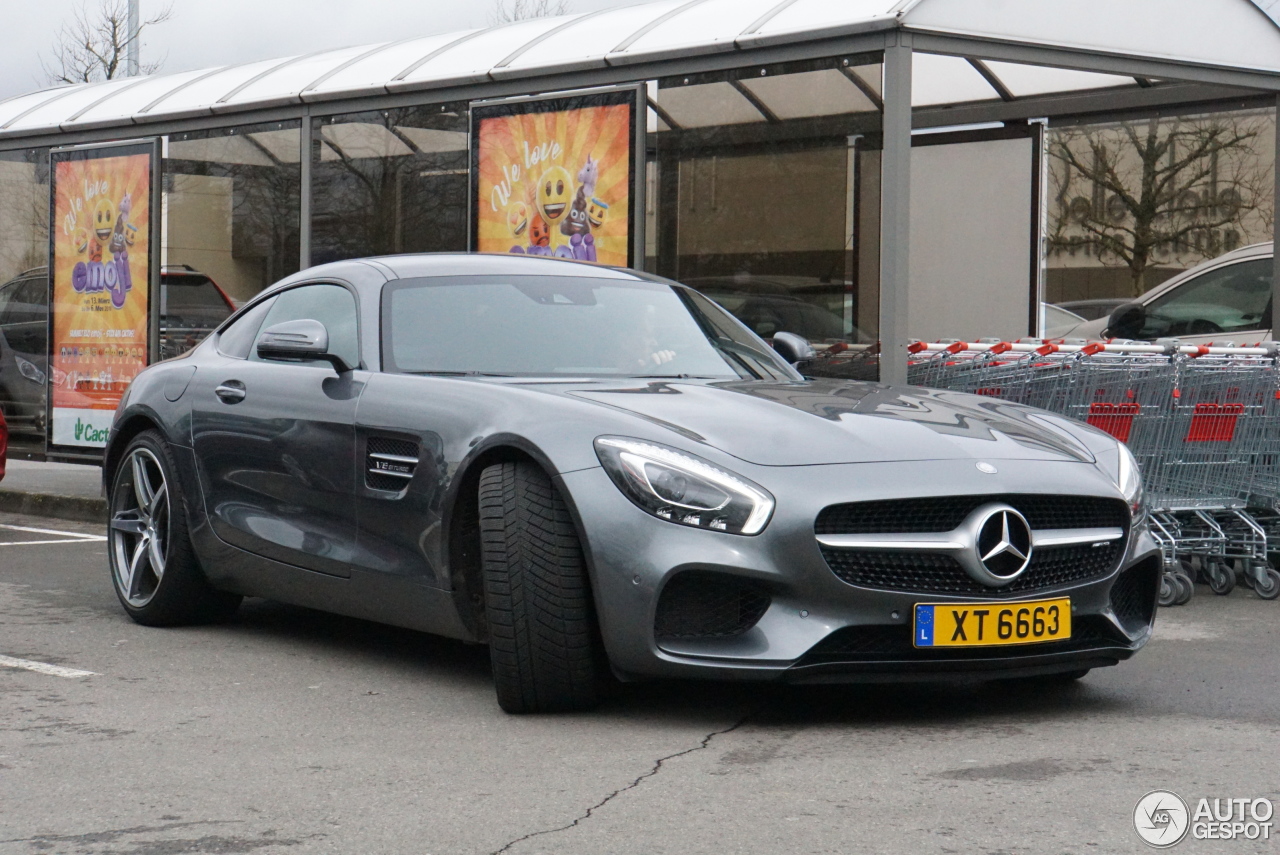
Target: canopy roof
1233 35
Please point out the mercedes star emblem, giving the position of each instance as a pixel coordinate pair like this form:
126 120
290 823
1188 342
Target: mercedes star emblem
1003 544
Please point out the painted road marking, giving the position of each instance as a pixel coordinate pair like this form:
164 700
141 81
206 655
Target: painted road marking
67 536
43 668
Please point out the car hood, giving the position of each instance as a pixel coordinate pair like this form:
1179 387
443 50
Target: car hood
832 421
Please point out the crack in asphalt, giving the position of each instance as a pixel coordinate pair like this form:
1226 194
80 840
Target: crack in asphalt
657 767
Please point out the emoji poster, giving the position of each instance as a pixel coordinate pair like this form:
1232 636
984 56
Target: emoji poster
555 177
100 253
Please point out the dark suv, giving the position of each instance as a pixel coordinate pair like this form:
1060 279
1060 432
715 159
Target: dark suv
191 306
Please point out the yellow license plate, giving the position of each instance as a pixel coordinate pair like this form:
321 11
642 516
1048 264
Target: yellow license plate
992 624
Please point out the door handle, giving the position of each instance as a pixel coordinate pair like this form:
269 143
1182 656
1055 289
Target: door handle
231 392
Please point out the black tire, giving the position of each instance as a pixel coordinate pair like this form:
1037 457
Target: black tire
141 539
1168 590
542 634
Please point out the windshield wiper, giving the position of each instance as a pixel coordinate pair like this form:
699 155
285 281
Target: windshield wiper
458 373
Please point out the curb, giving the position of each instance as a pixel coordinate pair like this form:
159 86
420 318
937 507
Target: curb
74 508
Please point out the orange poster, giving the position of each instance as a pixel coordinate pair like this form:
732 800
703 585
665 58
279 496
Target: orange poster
555 177
101 254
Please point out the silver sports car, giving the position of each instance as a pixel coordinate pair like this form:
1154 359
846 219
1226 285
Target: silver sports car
601 473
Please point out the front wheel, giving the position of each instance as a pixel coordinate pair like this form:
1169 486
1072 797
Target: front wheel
154 569
542 633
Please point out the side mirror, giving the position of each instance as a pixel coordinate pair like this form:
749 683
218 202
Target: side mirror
1127 321
300 340
793 348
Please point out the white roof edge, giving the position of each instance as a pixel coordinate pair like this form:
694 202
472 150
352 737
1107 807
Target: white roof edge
932 17
1095 51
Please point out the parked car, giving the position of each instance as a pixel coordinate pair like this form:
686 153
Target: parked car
191 306
593 469
4 445
1058 321
1091 310
1228 298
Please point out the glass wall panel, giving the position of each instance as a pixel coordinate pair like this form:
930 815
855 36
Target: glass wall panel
390 181
24 293
1132 204
764 194
230 223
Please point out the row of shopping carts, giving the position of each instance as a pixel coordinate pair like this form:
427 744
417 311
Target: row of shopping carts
1203 423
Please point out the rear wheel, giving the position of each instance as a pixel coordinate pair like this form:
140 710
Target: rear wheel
154 569
542 633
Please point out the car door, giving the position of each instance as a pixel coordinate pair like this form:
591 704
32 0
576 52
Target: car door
274 440
1230 302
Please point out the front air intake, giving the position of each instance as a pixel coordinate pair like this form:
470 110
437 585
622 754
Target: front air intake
704 604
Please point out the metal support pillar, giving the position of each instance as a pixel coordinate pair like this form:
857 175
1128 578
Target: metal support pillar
895 210
1275 273
304 195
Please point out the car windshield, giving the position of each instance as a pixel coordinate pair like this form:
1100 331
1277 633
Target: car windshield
574 326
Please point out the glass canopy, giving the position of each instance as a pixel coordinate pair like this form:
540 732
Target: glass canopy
1233 35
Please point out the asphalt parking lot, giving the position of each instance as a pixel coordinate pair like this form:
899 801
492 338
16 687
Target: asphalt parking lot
291 731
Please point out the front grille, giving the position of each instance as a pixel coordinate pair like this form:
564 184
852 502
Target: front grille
893 644
933 573
944 513
702 604
390 463
1133 596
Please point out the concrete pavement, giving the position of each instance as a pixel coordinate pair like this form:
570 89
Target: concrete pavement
291 731
69 491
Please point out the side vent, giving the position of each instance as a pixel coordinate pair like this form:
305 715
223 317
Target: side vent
390 464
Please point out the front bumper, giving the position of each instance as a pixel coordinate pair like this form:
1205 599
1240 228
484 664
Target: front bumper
818 628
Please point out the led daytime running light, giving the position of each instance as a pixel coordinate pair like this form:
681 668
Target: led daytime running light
632 455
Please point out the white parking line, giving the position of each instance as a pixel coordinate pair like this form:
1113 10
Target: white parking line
67 536
43 668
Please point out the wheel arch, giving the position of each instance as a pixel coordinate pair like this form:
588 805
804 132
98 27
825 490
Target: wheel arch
120 439
462 523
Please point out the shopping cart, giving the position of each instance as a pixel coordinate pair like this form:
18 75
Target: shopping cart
1203 423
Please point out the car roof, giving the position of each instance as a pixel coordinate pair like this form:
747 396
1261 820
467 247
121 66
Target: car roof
488 264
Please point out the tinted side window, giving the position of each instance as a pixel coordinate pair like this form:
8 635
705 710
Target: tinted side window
25 316
331 305
1229 299
7 301
237 340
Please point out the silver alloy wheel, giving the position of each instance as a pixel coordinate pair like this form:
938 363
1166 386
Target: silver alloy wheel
139 527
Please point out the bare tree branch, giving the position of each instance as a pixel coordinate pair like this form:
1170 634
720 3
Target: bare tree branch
1157 187
508 11
92 46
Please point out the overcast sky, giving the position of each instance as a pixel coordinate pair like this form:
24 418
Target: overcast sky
202 34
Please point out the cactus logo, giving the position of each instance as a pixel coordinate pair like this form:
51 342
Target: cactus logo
1161 819
88 433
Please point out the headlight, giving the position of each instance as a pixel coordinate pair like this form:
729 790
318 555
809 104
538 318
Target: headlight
1129 479
684 489
29 370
